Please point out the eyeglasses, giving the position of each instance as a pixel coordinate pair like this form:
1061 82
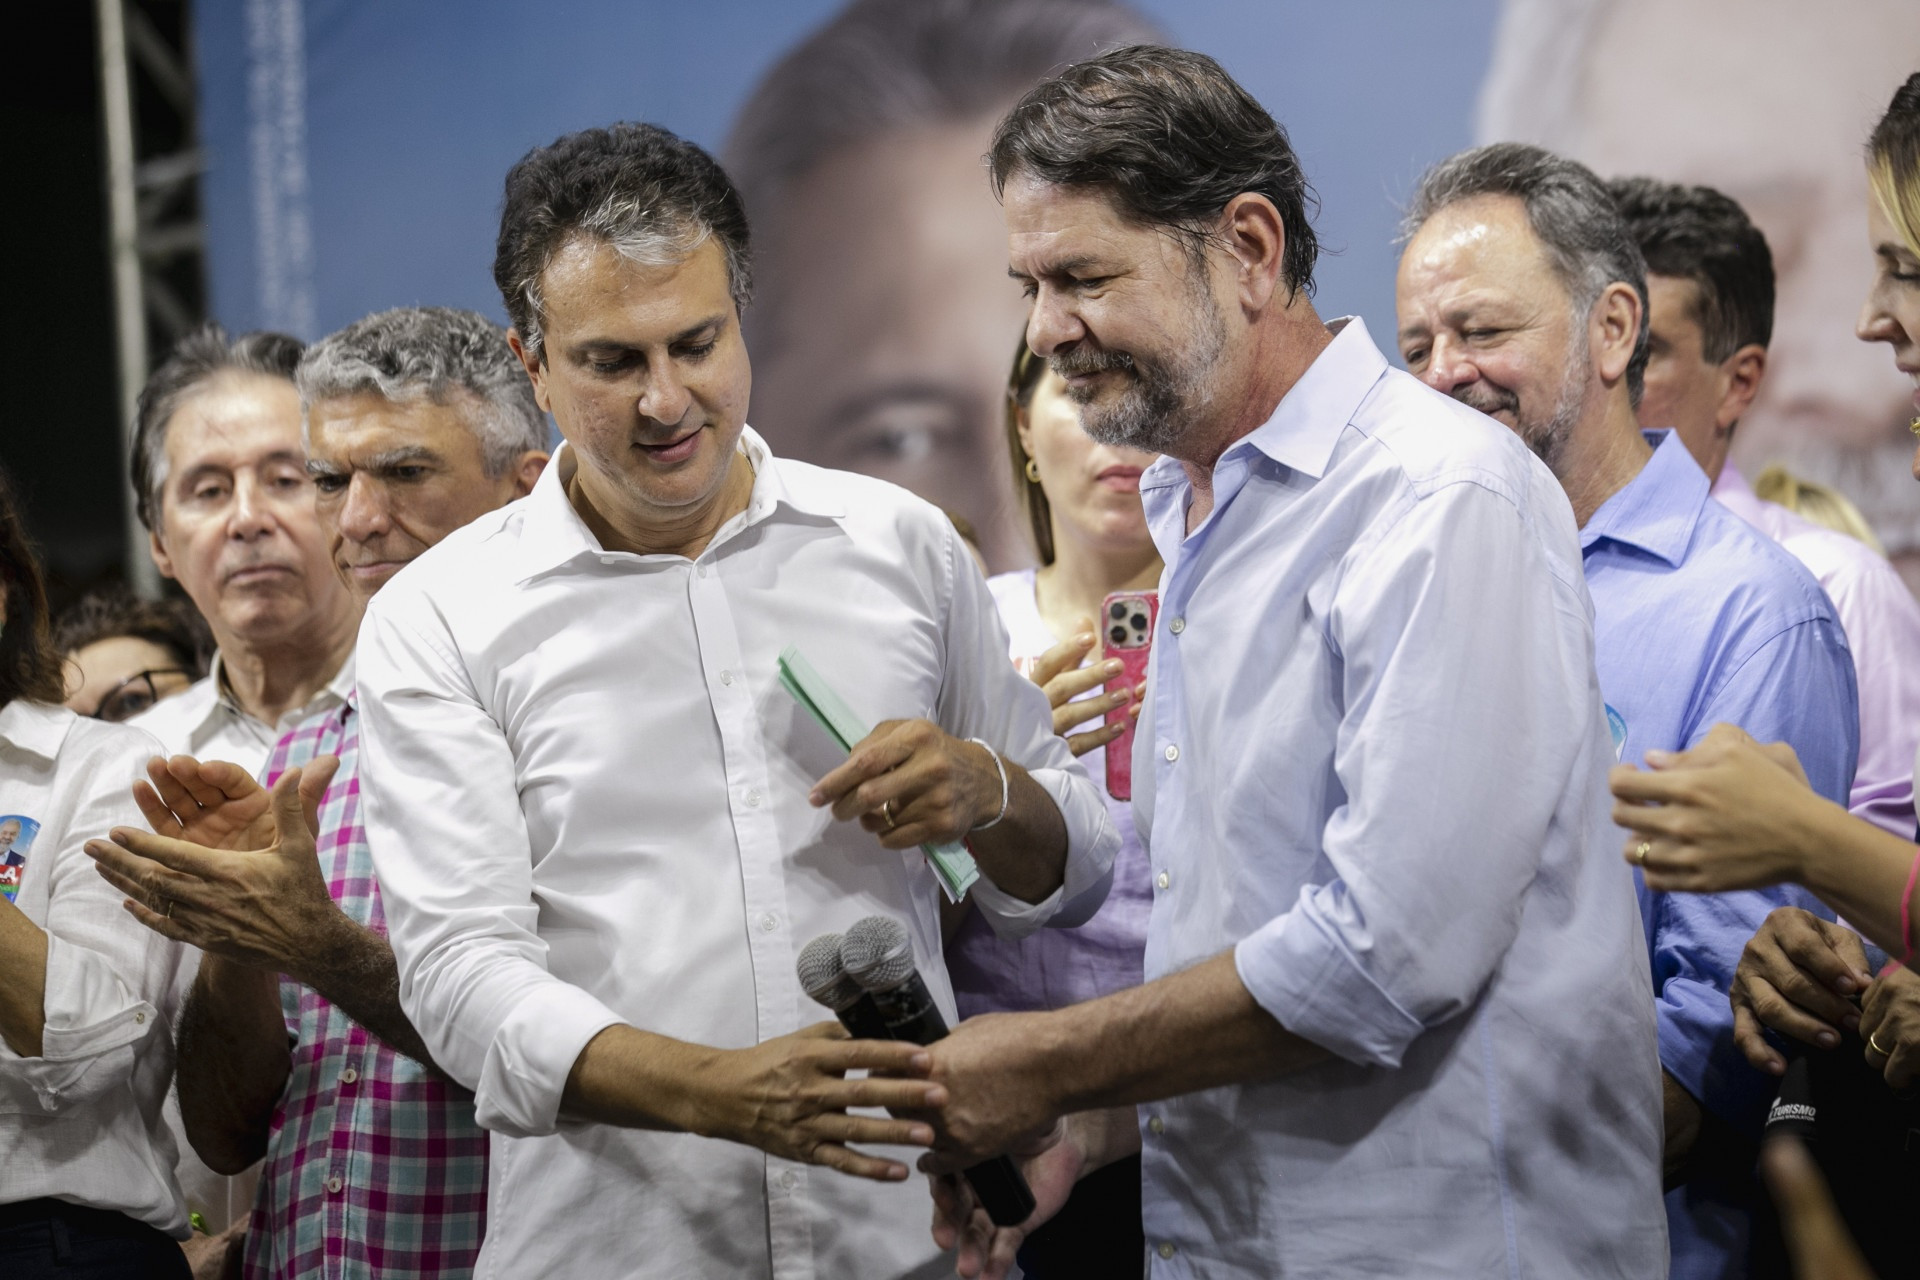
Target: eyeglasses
139 691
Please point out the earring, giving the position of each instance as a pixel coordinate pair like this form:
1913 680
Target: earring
1033 471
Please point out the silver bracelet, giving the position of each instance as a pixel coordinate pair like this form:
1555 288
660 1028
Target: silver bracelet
1005 793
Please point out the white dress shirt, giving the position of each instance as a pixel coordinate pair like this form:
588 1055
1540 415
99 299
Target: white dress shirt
81 1122
1373 764
586 798
203 721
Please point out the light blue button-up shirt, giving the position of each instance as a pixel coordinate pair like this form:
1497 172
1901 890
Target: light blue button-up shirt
1700 618
1373 764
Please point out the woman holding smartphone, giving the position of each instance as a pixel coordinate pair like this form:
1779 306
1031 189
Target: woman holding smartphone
1083 505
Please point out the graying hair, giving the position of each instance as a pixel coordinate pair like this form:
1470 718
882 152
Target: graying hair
1587 242
202 357
435 354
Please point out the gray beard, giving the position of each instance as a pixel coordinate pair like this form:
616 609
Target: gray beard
1546 437
1160 402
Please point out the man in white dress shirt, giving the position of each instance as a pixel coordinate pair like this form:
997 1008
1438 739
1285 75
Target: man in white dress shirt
603 831
222 486
1395 1020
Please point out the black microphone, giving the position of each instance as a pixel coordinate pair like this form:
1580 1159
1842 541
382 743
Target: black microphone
1794 1113
825 979
876 953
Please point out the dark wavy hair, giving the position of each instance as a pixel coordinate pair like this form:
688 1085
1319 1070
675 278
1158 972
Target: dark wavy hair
1171 137
1022 382
1698 234
173 624
29 664
652 195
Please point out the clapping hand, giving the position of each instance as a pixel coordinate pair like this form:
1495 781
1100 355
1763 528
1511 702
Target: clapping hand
266 905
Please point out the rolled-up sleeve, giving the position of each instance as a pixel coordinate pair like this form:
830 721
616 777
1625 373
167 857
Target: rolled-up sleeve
1466 689
111 982
983 696
1797 687
450 848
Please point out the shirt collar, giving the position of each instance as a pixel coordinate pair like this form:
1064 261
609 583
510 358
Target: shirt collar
35 727
1657 510
1307 423
552 534
337 690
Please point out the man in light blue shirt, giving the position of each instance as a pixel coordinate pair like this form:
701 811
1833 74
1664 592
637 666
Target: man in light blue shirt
1522 293
1395 1022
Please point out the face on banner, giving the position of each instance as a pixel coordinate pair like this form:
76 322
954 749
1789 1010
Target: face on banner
882 324
16 841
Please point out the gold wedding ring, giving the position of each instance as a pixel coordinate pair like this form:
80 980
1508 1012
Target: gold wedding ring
886 811
1873 1043
1640 852
168 914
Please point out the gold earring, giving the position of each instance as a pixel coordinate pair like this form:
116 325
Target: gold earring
1913 426
1033 471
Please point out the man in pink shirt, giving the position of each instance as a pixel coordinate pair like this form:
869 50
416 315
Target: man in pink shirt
1710 282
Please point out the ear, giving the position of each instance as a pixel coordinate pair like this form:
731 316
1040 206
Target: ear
1614 329
1257 239
1023 425
158 550
526 471
536 368
1742 372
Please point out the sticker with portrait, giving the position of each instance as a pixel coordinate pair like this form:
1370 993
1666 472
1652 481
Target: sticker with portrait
17 831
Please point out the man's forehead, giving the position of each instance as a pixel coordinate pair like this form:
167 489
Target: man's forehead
214 429
1048 224
368 429
589 284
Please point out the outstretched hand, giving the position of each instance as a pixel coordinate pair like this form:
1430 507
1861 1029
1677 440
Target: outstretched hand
1723 815
220 805
266 906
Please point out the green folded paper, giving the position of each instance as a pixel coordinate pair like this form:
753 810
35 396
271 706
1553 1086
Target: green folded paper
952 865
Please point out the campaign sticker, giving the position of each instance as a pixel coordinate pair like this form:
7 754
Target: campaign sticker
17 831
1617 730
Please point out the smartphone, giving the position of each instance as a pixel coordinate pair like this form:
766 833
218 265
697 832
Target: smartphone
1126 632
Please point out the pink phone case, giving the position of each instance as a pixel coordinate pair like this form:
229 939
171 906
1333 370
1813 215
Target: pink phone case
1127 619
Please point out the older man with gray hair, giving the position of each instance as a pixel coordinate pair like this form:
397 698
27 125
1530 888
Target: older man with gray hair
294 1044
1523 293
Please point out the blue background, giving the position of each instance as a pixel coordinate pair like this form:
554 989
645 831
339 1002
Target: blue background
414 112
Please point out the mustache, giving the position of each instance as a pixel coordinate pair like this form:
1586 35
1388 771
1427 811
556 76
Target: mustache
1485 397
1085 359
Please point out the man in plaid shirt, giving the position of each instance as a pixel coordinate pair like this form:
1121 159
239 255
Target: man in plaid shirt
294 1045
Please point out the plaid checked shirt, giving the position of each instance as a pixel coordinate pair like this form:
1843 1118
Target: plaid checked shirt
375 1167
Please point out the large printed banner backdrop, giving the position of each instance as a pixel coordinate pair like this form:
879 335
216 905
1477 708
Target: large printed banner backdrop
357 148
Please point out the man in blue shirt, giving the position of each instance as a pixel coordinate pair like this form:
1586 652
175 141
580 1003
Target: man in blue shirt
1522 293
1395 1020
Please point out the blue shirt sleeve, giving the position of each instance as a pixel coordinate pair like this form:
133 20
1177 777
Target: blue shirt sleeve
1797 688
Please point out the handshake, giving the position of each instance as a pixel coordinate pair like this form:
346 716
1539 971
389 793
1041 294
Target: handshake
867 977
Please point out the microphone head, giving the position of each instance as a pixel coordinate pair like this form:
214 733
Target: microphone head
877 953
823 977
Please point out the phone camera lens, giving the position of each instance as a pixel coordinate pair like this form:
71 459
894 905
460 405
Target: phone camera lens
1118 610
1119 635
1139 622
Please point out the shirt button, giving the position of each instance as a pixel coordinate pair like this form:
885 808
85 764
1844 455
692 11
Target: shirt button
139 1017
349 1076
1163 879
753 799
334 1184
726 677
1156 1126
769 922
1177 625
1172 753
789 1179
1166 1249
